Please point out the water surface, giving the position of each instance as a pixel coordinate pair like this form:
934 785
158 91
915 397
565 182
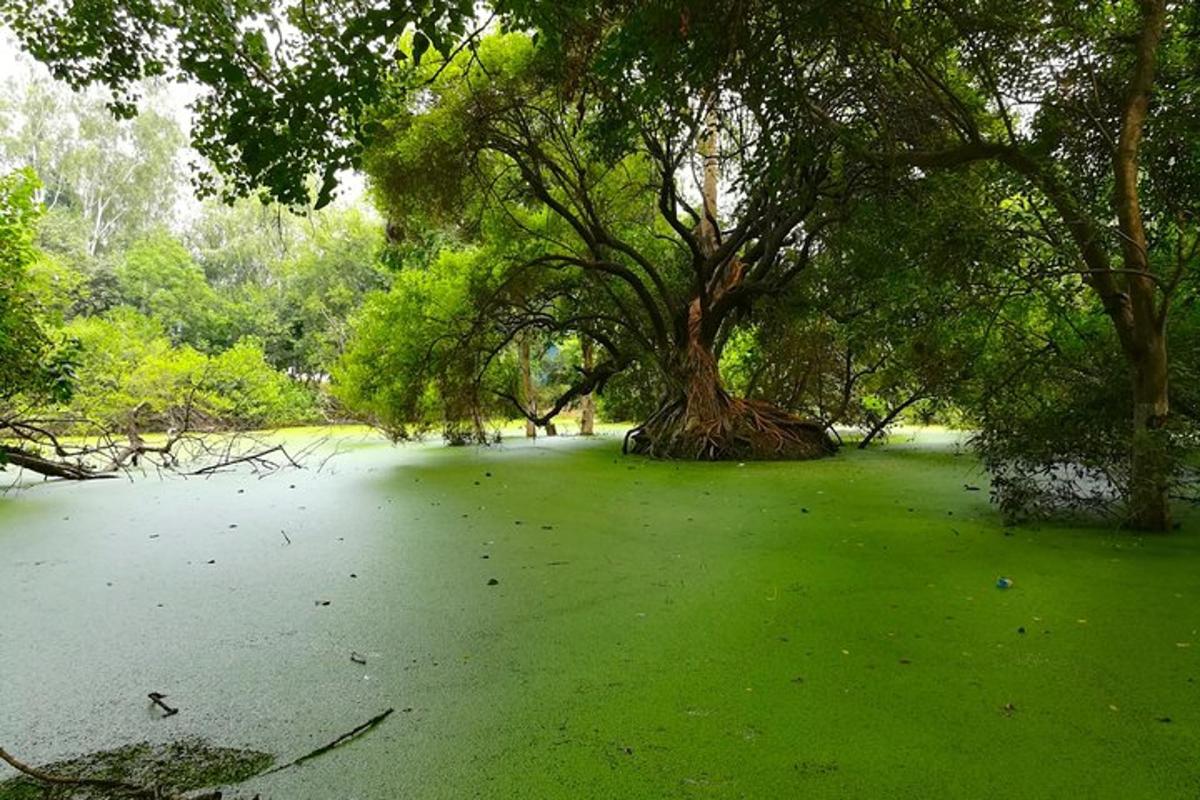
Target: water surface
826 629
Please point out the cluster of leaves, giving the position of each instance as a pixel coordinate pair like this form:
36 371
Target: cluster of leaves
176 309
890 320
1053 429
285 84
1051 410
441 348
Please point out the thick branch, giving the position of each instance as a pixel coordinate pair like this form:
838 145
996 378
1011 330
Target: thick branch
593 381
1125 159
44 466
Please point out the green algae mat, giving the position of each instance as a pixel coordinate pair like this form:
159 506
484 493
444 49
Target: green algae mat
554 620
172 769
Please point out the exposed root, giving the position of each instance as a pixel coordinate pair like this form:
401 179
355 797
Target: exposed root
742 430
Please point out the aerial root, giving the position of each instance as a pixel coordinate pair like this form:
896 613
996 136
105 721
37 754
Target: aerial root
739 429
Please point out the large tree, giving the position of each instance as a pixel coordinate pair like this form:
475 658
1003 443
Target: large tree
632 211
104 181
1093 109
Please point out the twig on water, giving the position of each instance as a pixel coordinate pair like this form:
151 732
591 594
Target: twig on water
257 459
158 698
338 742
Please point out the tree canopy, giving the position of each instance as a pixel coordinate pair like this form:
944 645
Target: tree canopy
285 85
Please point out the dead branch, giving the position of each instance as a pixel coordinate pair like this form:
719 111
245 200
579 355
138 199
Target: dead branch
44 466
338 742
35 445
258 459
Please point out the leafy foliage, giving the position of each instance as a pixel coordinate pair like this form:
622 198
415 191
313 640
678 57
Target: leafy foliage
418 350
105 182
159 278
132 377
30 363
285 84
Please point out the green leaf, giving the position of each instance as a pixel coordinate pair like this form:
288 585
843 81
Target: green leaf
420 45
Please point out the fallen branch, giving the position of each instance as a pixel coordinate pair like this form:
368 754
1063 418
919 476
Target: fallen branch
34 447
338 742
259 458
44 466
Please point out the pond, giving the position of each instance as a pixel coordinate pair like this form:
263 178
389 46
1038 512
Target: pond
552 619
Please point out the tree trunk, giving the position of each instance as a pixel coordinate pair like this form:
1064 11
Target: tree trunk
44 466
705 399
477 424
701 421
1150 468
710 151
1146 340
527 397
587 413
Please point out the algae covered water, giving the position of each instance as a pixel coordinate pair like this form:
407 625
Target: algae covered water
552 619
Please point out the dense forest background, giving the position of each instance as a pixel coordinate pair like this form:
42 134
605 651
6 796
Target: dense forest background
156 299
